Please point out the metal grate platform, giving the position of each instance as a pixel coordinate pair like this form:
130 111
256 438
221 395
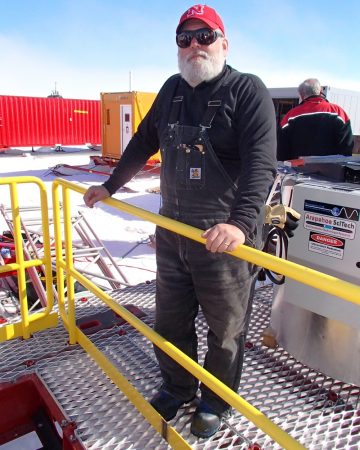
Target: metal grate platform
321 413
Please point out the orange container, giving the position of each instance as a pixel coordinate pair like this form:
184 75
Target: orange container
121 114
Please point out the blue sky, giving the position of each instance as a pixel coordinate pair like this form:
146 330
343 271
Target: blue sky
92 46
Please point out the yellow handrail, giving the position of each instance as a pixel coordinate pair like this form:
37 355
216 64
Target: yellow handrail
305 275
29 322
319 280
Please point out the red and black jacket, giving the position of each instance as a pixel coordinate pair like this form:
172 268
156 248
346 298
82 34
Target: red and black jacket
315 127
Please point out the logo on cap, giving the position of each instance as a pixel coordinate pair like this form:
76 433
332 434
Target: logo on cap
205 14
195 10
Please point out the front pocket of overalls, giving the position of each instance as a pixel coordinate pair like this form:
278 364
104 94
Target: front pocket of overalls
190 168
168 153
167 165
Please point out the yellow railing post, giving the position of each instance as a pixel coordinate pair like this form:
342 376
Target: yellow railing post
319 280
20 261
255 256
60 280
69 265
46 318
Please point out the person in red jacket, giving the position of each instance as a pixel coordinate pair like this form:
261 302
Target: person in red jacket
315 127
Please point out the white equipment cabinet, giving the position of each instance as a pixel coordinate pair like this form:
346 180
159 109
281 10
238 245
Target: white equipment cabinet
321 330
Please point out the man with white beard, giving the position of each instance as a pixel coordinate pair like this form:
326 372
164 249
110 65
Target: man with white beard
216 131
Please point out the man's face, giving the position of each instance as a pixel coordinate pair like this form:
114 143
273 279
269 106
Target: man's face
198 62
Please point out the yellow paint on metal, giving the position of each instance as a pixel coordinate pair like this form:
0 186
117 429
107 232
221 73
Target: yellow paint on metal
69 265
27 323
37 321
231 397
15 266
60 283
327 283
32 323
21 278
15 330
153 417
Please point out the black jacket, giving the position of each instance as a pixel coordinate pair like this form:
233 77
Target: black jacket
243 134
315 127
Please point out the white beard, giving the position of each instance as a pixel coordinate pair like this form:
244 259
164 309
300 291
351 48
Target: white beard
205 69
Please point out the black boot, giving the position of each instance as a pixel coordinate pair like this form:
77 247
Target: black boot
166 404
206 421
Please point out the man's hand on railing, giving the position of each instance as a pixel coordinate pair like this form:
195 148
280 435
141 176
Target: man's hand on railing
95 194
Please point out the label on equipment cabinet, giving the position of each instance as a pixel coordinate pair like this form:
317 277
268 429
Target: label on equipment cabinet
334 220
326 245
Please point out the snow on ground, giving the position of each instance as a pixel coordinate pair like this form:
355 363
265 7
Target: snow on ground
126 237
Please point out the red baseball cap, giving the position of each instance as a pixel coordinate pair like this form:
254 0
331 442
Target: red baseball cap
205 14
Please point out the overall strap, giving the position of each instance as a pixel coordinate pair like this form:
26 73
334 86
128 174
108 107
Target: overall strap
213 106
208 117
211 110
175 110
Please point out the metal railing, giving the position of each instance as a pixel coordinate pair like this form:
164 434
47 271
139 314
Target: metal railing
29 323
67 274
305 275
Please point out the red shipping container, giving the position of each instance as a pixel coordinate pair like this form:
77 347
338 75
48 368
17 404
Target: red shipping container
48 121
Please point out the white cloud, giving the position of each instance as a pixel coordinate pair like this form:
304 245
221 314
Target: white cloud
30 71
34 72
278 69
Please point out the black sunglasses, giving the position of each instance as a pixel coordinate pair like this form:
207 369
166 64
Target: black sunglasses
204 36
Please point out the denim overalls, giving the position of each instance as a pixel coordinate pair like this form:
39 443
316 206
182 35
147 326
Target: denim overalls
196 190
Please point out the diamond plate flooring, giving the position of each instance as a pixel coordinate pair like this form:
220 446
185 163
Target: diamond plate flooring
319 412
